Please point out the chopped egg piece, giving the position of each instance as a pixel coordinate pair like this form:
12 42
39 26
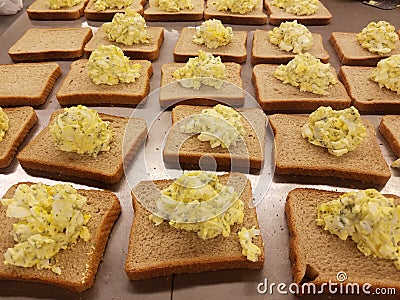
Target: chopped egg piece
101 5
213 34
378 37
236 6
387 73
4 124
297 7
249 249
396 163
174 5
57 4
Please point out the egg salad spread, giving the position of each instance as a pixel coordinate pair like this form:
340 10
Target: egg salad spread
220 125
308 73
213 34
387 73
203 69
236 6
378 37
174 5
297 7
4 124
50 218
396 164
101 5
80 129
128 28
57 4
340 131
291 36
369 218
249 249
108 65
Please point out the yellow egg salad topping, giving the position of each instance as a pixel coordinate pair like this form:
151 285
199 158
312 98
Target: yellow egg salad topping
387 73
50 218
297 7
4 124
340 131
249 249
396 164
80 129
308 73
378 37
101 5
213 34
108 65
369 218
128 28
236 6
203 69
220 125
291 36
174 5
57 4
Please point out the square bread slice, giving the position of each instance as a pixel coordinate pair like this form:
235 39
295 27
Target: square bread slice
78 264
255 17
318 256
27 83
274 96
294 155
235 51
187 149
41 156
39 44
278 15
351 53
40 10
21 121
264 52
230 93
366 94
78 88
389 127
153 13
176 251
107 15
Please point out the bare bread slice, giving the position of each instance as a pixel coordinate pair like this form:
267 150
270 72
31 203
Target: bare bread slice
264 52
317 255
351 53
91 13
235 51
39 44
278 15
153 13
21 121
390 130
78 88
40 10
149 51
27 83
195 255
79 263
294 155
365 93
40 155
255 17
274 96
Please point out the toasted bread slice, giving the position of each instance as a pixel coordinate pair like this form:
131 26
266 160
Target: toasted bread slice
366 94
318 256
79 263
40 44
28 83
389 127
153 13
107 15
78 88
40 10
149 51
264 52
21 121
41 154
278 15
275 96
294 155
255 17
351 53
195 254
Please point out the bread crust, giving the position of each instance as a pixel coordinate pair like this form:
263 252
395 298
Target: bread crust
92 14
389 128
39 10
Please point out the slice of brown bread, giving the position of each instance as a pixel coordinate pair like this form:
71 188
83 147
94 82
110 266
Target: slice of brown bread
294 155
39 44
255 17
172 92
149 51
27 83
78 88
318 256
389 127
365 93
264 52
107 15
40 10
78 264
179 251
188 149
274 96
153 13
351 53
278 15
41 154
21 120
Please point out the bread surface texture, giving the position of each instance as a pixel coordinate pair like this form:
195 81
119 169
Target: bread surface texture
153 13
389 127
107 15
40 10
